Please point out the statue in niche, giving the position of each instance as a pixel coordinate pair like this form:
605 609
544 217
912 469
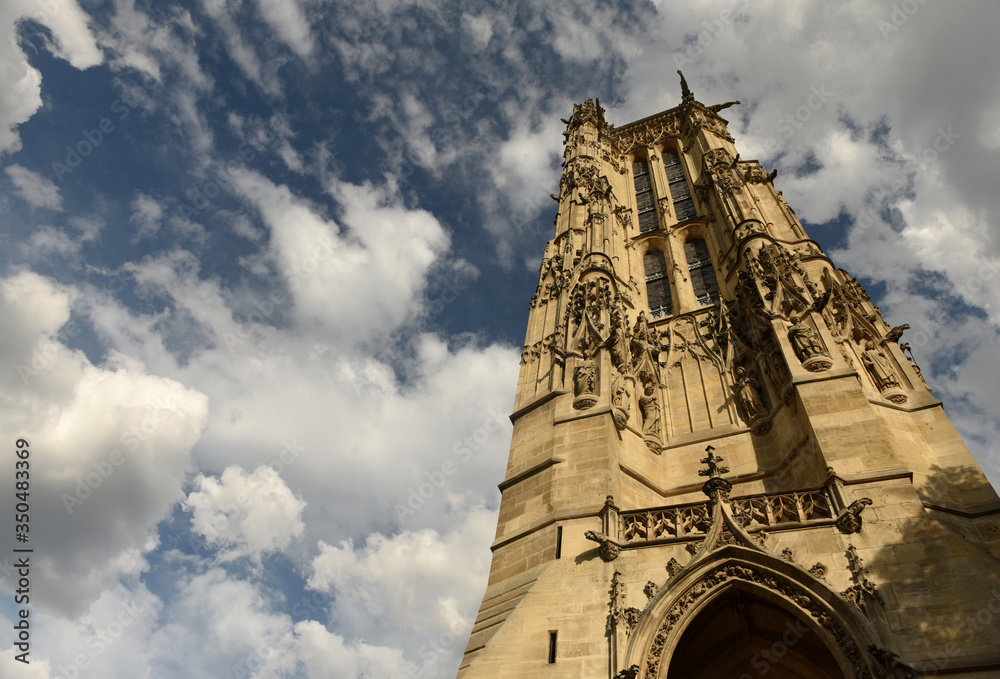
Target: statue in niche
650 408
878 366
748 389
585 385
620 403
804 340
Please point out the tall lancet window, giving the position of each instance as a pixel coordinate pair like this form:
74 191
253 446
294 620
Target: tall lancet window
706 288
645 202
657 285
679 190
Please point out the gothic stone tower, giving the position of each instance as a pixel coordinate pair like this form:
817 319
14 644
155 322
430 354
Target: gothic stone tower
724 464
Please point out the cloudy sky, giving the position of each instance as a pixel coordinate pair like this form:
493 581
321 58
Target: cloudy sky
265 266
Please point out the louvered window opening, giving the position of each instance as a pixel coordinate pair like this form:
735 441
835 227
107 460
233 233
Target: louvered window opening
706 287
644 201
680 192
657 285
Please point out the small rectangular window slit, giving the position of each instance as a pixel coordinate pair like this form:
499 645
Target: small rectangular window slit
558 542
552 647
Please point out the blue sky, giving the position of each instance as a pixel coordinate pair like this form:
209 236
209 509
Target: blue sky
265 269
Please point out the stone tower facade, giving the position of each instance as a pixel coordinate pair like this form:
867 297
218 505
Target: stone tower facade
724 463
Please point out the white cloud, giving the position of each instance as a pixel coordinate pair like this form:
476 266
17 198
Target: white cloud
287 20
147 215
359 279
414 582
34 188
326 654
115 439
20 83
245 514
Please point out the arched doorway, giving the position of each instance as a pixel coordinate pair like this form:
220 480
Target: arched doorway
743 636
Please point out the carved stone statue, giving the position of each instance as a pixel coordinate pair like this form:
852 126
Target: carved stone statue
808 346
748 390
585 388
650 408
620 403
878 366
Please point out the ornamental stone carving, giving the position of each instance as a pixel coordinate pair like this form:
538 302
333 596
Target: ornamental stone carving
808 347
609 549
748 391
585 385
620 403
882 374
850 521
649 405
783 588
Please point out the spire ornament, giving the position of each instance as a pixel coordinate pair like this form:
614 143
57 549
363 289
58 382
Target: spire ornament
717 488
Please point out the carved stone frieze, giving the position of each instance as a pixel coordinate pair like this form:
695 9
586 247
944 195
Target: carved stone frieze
648 134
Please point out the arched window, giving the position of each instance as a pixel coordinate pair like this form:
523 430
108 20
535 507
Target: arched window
679 190
645 202
706 288
657 285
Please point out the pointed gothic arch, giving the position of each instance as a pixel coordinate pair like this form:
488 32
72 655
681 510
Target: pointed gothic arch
743 631
730 562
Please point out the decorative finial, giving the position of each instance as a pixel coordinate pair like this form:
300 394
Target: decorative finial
715 470
716 487
686 94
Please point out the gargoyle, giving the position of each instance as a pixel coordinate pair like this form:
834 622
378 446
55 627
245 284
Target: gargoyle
609 549
896 333
850 520
715 108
